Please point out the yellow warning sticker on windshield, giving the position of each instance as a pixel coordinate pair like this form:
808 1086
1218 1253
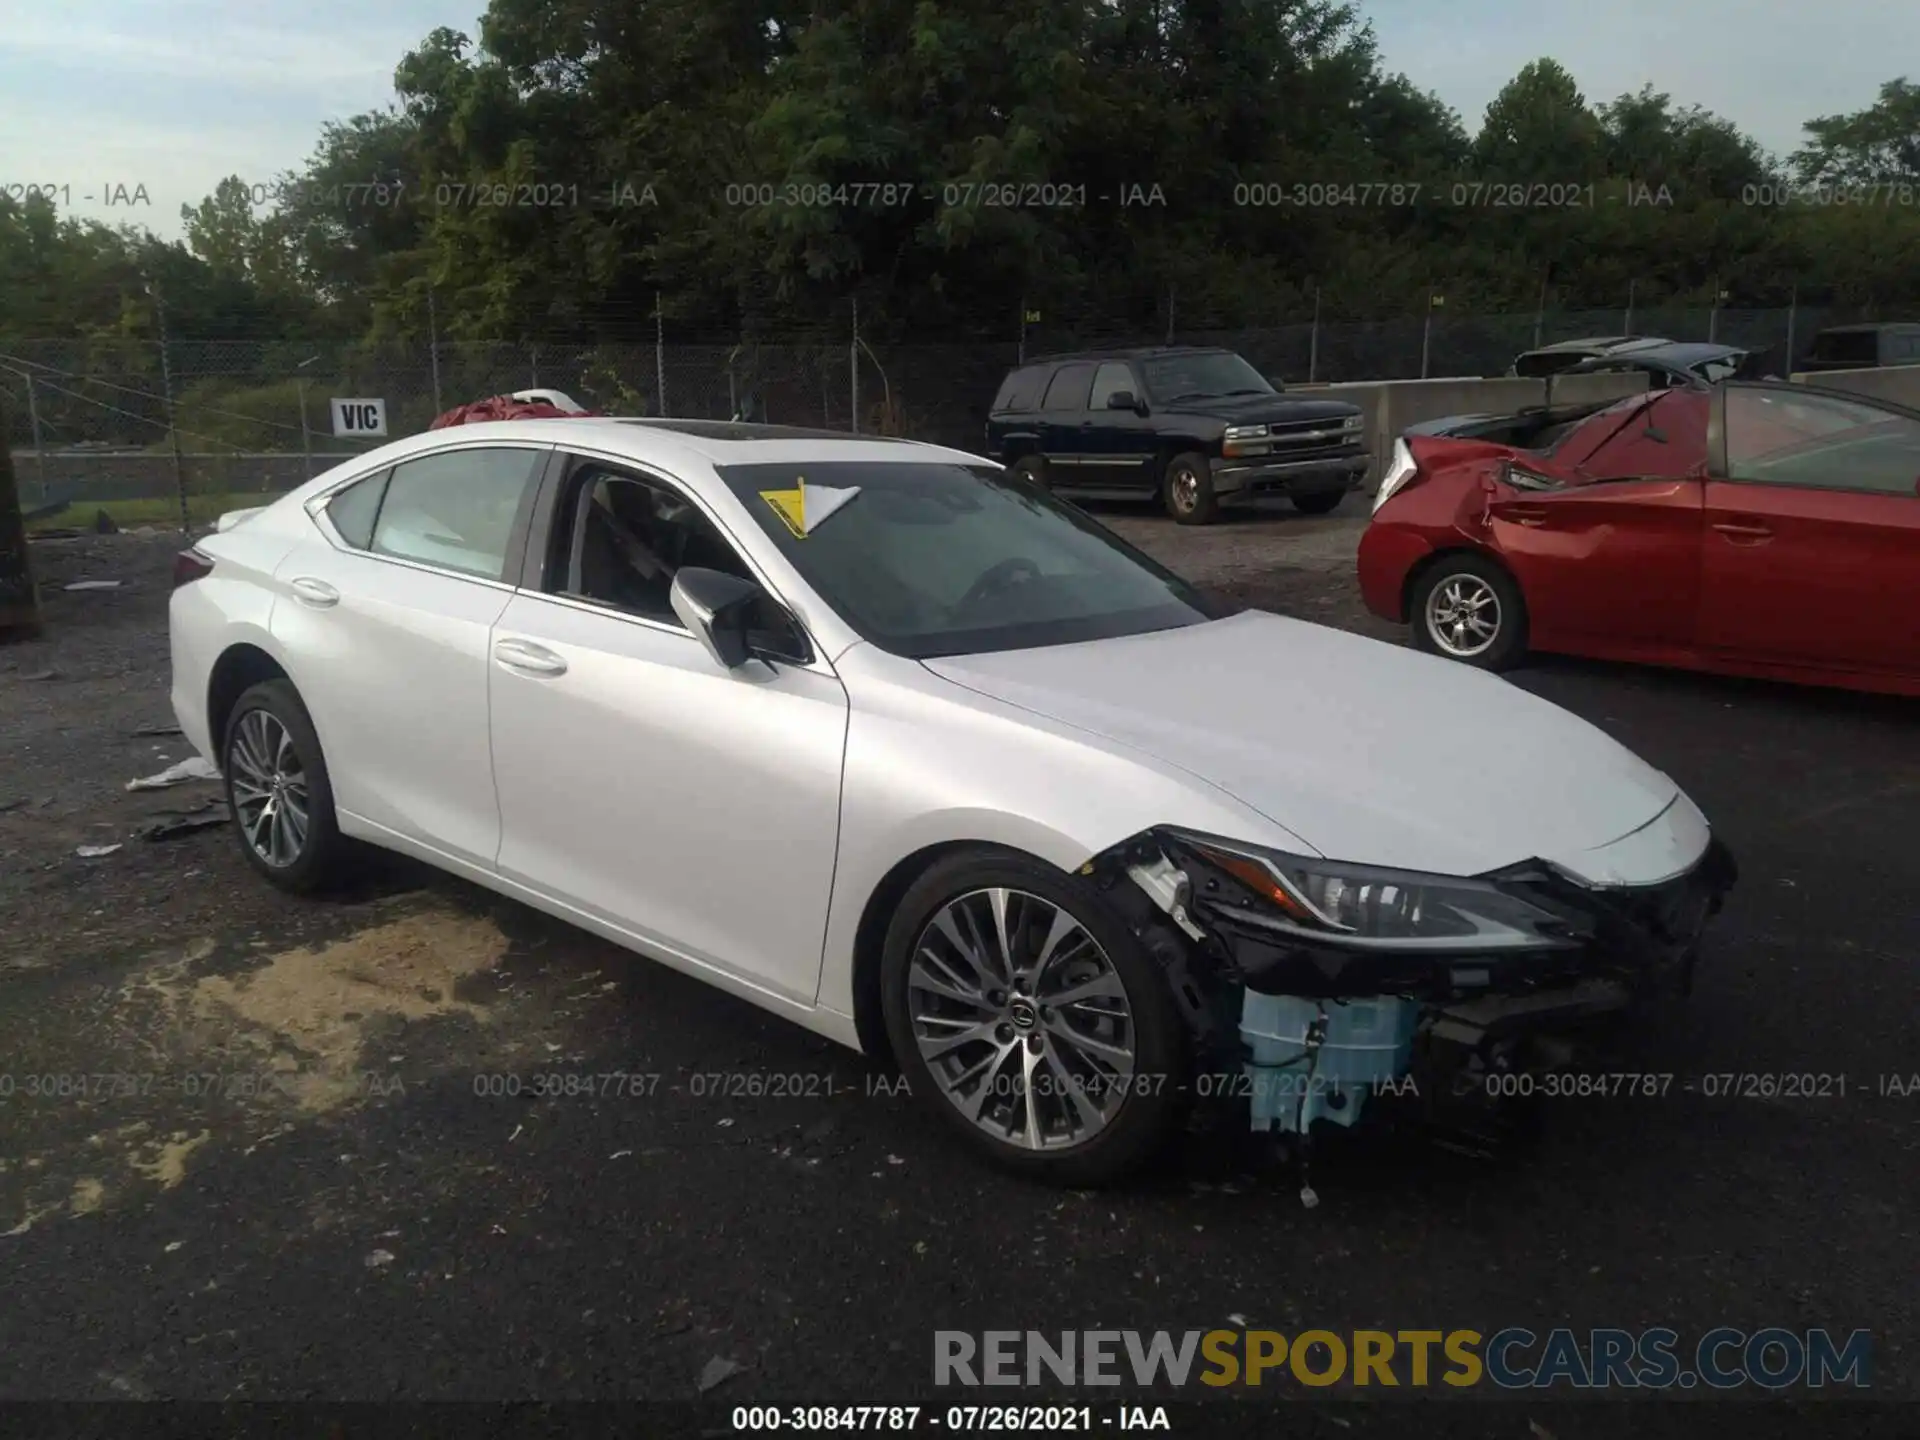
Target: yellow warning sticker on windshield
806 507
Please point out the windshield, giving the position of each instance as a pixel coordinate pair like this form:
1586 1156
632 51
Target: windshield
1191 377
931 559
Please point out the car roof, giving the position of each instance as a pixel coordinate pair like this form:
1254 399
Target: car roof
668 443
1137 352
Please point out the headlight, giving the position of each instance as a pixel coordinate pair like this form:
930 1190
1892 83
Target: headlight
1353 422
1365 907
1401 468
1245 432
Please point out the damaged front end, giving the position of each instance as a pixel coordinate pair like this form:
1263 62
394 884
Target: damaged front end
1312 985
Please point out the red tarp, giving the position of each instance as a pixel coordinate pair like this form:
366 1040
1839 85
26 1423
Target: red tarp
501 407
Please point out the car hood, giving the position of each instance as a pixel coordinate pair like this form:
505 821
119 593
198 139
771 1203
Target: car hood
1367 751
1260 409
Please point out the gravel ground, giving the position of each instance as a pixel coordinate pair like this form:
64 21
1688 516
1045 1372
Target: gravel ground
289 1170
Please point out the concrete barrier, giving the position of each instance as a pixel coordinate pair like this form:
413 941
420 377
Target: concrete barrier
1390 406
1897 383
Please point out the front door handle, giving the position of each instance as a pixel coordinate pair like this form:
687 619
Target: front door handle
1736 531
528 658
317 593
1525 514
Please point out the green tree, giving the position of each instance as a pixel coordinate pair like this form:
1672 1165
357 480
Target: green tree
1879 144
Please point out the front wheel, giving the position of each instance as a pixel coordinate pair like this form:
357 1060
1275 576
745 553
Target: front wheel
1187 487
1032 1020
1468 608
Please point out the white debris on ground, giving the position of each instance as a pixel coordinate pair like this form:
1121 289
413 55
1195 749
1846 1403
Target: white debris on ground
194 767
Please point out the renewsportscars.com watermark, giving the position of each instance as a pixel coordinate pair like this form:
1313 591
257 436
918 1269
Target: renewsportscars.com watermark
1773 1358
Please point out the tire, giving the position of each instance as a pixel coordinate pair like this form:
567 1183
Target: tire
1464 584
1186 486
1318 502
251 755
1033 469
1132 1119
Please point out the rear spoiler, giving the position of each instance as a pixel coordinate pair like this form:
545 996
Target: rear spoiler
234 517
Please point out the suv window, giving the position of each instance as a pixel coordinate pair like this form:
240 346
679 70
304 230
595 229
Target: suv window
626 537
1022 389
1903 347
353 509
1855 347
1070 388
1820 442
1111 379
456 509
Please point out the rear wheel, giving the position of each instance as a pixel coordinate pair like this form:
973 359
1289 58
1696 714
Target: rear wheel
1187 487
278 789
1318 502
1030 1018
1468 608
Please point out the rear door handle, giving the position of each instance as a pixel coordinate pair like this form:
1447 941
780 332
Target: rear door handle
528 658
317 593
1743 532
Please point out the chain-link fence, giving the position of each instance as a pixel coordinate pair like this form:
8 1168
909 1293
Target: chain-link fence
89 419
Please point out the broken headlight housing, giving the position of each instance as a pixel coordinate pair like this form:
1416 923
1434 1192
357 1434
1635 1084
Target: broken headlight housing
1366 907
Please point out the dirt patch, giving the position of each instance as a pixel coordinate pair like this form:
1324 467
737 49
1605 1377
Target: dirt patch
311 1010
165 1161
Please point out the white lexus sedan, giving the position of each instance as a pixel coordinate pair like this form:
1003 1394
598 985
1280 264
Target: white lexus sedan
888 741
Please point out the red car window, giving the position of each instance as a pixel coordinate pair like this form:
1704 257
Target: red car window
1778 438
1667 437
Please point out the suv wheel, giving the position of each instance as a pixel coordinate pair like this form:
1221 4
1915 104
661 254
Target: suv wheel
1187 485
1031 468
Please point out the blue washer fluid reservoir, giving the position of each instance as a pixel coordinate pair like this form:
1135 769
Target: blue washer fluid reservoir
1367 1042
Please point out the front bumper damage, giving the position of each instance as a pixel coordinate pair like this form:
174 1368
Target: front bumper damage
1312 1027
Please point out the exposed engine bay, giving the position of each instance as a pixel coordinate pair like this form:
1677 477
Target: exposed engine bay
1316 1015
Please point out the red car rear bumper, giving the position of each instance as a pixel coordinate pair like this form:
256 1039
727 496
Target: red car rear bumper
1387 554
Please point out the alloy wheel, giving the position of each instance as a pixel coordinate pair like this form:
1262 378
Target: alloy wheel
1463 615
1186 490
1022 1019
270 795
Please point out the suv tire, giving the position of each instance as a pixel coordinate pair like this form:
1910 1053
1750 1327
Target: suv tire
1186 485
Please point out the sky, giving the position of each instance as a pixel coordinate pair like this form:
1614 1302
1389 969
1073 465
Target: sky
132 108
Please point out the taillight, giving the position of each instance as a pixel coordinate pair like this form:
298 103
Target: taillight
190 565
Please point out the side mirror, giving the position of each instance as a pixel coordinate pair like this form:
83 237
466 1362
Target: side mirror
1122 400
716 608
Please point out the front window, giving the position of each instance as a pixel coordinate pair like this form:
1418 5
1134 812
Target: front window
927 559
1777 437
1203 376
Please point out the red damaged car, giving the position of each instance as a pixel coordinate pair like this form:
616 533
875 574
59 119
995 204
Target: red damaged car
1747 528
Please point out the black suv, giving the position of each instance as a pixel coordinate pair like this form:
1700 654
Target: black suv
1192 427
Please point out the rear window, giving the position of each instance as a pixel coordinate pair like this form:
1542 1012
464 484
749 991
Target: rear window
1022 389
